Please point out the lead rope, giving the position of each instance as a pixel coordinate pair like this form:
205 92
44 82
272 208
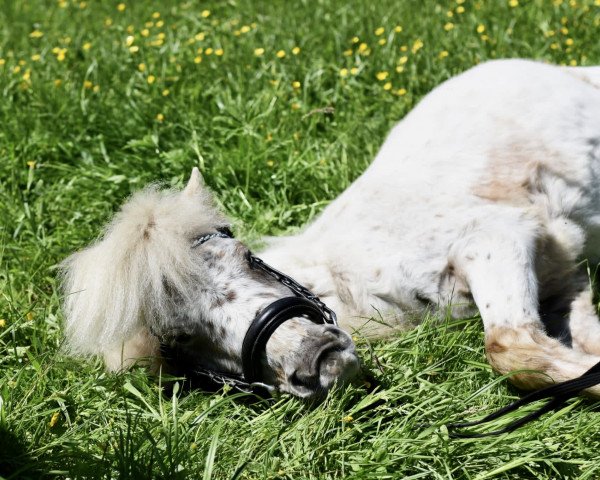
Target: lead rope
558 395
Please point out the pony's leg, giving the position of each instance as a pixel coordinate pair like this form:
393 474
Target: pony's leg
497 263
584 323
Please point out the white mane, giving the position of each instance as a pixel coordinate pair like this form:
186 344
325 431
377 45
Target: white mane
117 287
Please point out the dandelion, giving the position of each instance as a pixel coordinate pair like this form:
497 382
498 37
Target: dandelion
280 54
480 28
159 24
269 137
205 13
57 82
87 84
142 67
86 46
96 88
295 50
2 321
449 13
295 106
156 15
62 4
161 36
296 85
219 52
382 75
443 54
403 59
354 71
200 51
134 49
36 57
60 53
397 29
399 68
344 72
400 92
569 41
513 3
348 419
30 316
404 48
31 163
355 40
121 7
245 29
200 36
573 63
449 26
460 9
381 41
16 69
270 163
564 30
417 46
485 38
145 32
198 59
259 52
554 46
208 51
550 33
387 86
379 31
166 92
36 34
129 40
2 62
362 48
348 52
108 22
151 79
54 419
160 117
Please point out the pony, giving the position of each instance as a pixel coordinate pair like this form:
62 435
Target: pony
485 197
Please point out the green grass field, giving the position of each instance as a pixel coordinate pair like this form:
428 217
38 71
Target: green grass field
281 105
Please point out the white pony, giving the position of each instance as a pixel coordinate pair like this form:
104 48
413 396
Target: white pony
486 195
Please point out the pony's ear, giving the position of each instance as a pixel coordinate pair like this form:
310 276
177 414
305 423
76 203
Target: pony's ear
195 183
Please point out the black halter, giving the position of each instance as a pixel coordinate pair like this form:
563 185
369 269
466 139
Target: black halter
304 303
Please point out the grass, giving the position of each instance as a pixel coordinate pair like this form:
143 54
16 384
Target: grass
98 100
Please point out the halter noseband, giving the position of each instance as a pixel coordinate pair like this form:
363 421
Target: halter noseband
304 303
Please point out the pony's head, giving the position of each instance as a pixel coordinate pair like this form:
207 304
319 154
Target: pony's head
142 285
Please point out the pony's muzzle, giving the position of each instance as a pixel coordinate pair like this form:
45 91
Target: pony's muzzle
327 359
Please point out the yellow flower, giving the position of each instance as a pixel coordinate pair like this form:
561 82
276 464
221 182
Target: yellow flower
198 59
344 72
362 48
62 3
54 419
36 57
96 88
200 51
245 29
60 54
381 41
296 50
399 68
30 316
156 15
480 28
460 9
400 92
142 67
449 26
449 13
382 75
208 51
295 106
16 69
417 45
219 52
134 49
108 22
513 3
2 321
36 34
550 33
129 40
355 40
86 46
569 41
397 29
57 82
166 92
161 35
280 54
151 79
564 30
200 36
387 86
145 32
404 48
270 163
159 24
160 117
554 46
573 63
354 71
348 52
379 31
259 52
121 7
2 62
443 54
403 59
87 84
348 419
205 13
296 84
30 164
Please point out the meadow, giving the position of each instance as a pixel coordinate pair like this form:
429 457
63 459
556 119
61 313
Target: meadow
281 105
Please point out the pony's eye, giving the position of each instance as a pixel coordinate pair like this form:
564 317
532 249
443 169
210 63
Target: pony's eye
225 230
